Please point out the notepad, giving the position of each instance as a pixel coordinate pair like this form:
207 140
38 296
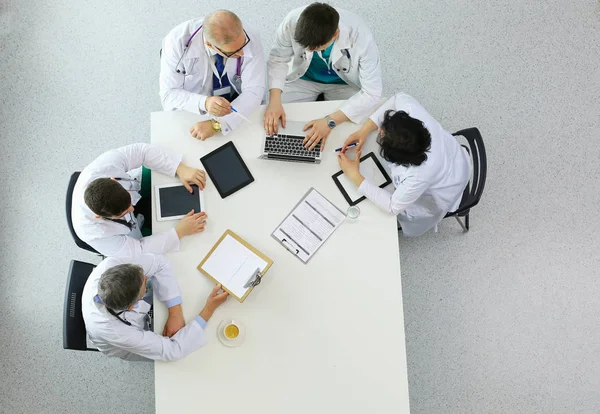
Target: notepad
232 262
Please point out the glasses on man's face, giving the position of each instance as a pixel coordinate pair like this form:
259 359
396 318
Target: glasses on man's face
230 54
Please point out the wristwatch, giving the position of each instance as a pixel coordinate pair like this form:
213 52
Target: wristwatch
330 122
216 125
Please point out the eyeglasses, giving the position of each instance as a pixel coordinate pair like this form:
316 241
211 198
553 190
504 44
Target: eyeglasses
230 54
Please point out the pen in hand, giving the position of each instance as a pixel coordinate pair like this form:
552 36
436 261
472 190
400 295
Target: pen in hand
354 144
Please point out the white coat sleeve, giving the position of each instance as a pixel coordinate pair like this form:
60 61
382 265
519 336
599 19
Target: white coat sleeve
280 56
117 162
147 155
172 95
371 87
165 286
406 193
124 246
147 344
377 117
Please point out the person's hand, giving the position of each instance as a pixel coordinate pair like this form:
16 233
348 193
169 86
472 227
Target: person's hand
319 130
217 106
273 113
202 130
351 167
359 137
188 176
214 300
191 224
175 321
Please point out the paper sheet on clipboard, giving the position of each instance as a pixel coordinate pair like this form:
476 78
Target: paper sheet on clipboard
309 225
233 262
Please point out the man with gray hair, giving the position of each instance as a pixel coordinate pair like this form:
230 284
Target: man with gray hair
115 307
216 66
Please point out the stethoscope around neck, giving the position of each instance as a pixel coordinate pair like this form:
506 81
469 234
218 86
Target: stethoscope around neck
345 52
186 47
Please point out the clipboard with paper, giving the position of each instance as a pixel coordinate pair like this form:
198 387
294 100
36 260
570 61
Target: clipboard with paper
310 223
236 265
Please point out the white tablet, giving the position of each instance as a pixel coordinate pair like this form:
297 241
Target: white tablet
173 201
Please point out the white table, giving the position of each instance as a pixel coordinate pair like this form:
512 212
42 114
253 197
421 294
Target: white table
326 337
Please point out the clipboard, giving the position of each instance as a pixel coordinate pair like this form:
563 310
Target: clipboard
305 249
373 171
231 255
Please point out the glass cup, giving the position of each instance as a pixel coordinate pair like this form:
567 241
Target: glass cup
353 212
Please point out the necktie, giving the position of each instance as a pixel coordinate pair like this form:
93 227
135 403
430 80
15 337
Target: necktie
224 80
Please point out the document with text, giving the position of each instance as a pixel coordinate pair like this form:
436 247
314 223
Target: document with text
309 224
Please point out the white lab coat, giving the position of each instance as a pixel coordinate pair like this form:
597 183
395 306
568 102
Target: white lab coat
115 239
424 193
188 92
362 69
114 338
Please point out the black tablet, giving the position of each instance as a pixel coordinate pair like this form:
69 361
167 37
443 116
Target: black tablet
174 201
371 169
226 169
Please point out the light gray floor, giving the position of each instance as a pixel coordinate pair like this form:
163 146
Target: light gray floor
502 320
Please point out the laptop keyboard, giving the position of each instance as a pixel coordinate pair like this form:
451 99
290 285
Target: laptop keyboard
290 145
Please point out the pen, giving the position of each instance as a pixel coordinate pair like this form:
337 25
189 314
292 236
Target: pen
243 117
354 144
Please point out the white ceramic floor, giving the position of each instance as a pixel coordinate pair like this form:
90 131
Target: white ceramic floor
504 319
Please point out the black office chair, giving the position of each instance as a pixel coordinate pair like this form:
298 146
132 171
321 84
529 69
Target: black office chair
68 203
474 189
74 334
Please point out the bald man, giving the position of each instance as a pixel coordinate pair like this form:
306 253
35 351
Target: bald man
213 66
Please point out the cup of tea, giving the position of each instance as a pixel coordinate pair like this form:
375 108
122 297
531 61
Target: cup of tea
231 331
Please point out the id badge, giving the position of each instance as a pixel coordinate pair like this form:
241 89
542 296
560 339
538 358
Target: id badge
226 90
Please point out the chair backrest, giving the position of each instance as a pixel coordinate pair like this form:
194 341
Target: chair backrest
74 334
474 190
68 203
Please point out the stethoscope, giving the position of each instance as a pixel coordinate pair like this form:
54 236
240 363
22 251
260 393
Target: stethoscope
346 52
147 318
238 70
130 222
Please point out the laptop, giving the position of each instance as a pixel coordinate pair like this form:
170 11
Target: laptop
287 145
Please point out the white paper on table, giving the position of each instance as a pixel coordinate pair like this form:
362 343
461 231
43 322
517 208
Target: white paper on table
232 264
307 227
369 170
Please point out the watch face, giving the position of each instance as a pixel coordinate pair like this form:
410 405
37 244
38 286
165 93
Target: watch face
331 123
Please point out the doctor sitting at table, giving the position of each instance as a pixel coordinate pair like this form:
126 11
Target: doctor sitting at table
430 169
115 306
112 202
332 53
214 65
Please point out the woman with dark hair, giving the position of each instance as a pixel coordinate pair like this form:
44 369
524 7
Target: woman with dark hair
430 169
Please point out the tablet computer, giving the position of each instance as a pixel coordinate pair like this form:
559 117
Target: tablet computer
371 169
226 169
173 201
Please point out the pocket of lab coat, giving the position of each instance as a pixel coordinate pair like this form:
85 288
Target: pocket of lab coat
236 82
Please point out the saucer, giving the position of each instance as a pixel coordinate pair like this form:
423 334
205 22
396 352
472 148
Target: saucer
232 343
